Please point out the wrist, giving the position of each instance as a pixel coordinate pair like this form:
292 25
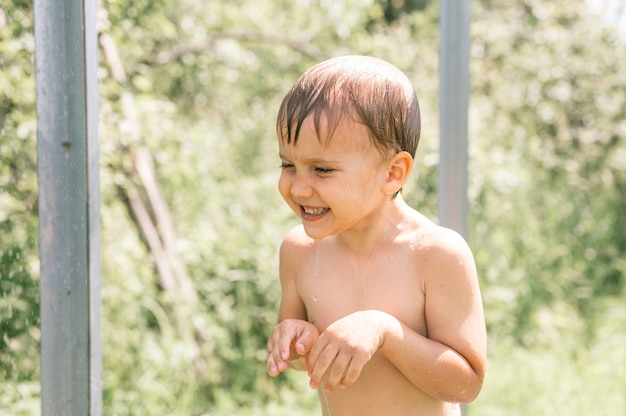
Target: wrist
391 331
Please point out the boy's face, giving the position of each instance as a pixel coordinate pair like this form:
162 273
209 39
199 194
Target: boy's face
334 184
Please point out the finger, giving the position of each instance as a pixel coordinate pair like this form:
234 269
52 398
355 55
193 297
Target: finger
274 337
305 341
337 371
322 364
314 354
284 345
275 363
352 373
272 368
272 364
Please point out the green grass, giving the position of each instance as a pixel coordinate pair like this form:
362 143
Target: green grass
564 377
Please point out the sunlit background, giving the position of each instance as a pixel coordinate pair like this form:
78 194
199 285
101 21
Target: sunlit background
190 89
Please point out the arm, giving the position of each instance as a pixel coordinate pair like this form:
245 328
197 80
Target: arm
292 338
450 363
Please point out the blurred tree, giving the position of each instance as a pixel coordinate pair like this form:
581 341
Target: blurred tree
550 181
195 88
192 94
19 292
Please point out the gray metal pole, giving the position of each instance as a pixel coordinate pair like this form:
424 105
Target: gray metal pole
453 106
69 225
454 28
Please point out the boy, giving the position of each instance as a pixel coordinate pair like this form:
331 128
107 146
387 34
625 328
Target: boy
379 304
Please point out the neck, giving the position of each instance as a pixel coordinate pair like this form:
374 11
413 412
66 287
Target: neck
379 231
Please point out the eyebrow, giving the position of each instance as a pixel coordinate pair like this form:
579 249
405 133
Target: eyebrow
312 160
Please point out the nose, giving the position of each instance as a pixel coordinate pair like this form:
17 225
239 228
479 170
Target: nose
300 186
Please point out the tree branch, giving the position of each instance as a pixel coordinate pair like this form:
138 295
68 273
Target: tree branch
151 214
301 46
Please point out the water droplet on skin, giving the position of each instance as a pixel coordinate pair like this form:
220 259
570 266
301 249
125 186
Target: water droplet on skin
317 260
317 264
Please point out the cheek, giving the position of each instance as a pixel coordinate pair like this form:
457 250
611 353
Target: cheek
360 192
284 185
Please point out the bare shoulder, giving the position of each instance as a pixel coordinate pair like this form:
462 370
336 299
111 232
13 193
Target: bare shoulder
296 246
441 244
296 239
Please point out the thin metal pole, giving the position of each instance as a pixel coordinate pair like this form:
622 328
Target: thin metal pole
454 88
453 106
69 225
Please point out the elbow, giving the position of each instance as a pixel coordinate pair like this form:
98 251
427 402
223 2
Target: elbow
474 383
468 396
465 392
462 396
471 390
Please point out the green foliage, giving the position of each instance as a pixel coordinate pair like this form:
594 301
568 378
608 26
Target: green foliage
202 87
548 189
19 289
560 377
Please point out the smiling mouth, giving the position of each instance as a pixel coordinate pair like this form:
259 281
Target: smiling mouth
314 211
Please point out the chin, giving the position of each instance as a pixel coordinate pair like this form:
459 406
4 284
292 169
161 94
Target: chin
316 234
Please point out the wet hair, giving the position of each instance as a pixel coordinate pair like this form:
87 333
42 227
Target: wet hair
369 90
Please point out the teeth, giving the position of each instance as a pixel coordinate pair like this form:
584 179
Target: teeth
315 211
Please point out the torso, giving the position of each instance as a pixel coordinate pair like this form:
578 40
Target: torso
333 282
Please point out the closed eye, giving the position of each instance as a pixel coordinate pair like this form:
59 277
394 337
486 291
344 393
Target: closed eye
285 165
321 169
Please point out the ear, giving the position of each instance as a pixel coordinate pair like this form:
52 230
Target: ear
398 170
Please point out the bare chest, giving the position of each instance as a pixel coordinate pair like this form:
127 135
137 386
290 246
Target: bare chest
332 287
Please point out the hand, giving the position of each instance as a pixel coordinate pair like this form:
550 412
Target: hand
290 340
344 348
